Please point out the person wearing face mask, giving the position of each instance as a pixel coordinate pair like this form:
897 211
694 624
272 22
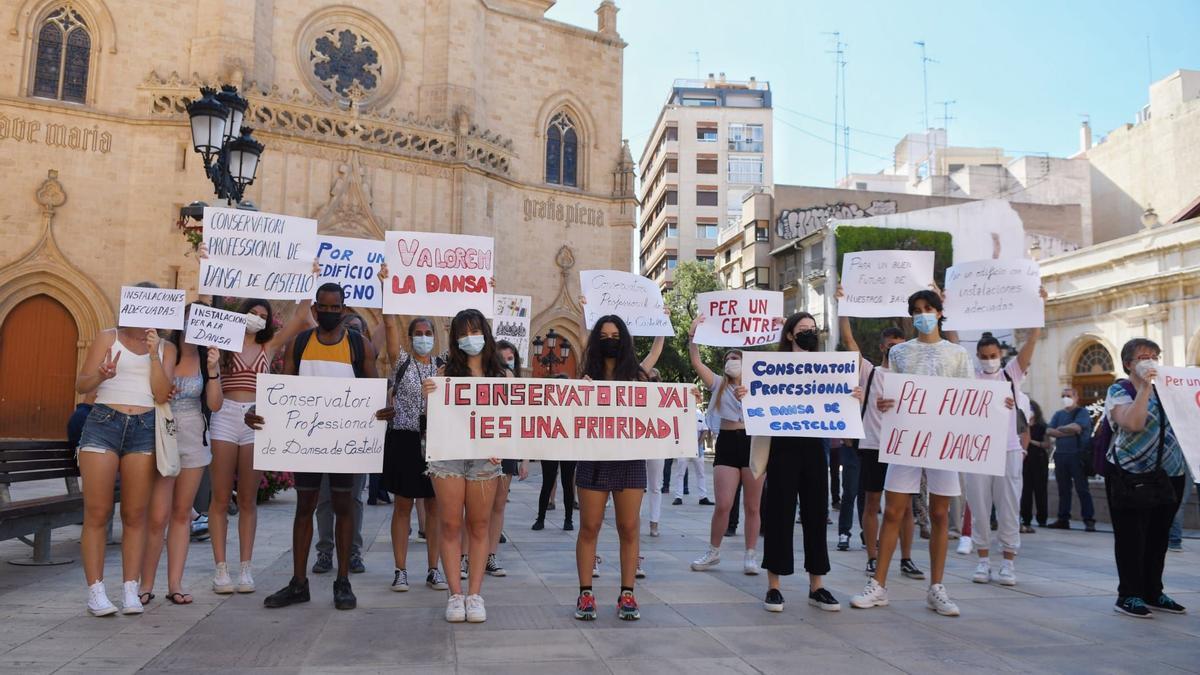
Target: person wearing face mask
1004 492
1071 430
511 358
404 466
1035 472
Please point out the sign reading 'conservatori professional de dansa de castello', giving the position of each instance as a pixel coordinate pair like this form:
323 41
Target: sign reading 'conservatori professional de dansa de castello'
251 254
801 394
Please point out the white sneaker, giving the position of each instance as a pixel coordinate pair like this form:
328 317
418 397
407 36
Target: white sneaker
711 558
132 603
750 563
456 609
596 566
475 611
983 572
400 581
640 573
245 580
221 582
98 602
939 601
1008 575
964 546
873 595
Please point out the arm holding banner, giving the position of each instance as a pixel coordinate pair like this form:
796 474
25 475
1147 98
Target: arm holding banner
656 347
300 320
1132 416
370 371
707 376
162 366
212 391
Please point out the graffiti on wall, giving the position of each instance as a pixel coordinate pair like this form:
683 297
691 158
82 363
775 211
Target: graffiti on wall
795 223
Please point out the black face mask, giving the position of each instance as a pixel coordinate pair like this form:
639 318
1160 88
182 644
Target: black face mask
329 320
806 340
610 347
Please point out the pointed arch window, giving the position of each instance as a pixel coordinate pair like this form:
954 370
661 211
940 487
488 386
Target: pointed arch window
562 151
63 57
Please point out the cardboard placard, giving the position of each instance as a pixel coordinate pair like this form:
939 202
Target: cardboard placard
152 308
634 298
1179 391
877 284
801 394
212 327
739 318
987 294
252 254
434 274
354 264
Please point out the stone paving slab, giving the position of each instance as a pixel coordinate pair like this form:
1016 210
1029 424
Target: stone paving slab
1058 619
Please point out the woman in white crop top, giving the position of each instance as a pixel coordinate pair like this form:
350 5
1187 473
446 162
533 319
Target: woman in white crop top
129 369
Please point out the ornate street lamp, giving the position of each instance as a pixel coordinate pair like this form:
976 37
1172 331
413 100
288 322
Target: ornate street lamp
229 150
550 344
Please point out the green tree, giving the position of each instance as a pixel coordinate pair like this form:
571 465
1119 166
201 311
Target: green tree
691 278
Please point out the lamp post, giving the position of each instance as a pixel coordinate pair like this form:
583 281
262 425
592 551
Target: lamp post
544 350
229 150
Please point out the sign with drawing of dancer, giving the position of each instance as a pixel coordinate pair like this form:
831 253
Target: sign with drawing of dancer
801 394
152 307
876 284
633 297
212 327
739 318
511 322
947 423
435 274
988 294
251 254
319 424
1179 391
479 417
354 265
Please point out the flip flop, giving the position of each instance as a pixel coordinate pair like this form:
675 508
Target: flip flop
178 598
145 598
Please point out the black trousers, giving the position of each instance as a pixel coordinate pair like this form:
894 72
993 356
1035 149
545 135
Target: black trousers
1035 472
550 470
796 471
1140 543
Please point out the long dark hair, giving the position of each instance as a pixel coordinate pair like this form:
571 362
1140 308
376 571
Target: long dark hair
505 344
263 336
1037 413
178 336
789 327
626 367
457 365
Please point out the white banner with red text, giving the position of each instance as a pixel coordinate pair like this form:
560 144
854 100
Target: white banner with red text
739 318
1179 391
434 274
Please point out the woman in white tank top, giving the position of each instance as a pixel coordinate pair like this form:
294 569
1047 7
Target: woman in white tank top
130 370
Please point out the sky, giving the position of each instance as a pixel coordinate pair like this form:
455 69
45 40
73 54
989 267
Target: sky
1023 74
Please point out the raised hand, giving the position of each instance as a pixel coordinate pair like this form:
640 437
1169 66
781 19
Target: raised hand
695 324
214 363
383 272
152 340
108 367
740 392
857 394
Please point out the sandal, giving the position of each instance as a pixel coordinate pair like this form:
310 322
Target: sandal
178 598
145 598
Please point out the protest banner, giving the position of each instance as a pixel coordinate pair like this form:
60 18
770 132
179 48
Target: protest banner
1179 391
801 394
876 284
987 294
319 424
252 254
212 327
478 418
434 274
152 307
354 265
739 318
511 322
633 297
947 423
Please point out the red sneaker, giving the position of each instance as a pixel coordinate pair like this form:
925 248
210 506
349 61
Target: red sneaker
585 607
627 607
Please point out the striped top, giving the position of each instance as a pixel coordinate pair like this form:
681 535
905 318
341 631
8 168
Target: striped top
242 377
322 360
1137 452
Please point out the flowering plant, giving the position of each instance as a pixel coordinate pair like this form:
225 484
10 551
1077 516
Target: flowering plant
274 482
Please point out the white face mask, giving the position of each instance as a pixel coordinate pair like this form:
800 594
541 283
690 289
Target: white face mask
990 366
254 322
1143 366
423 344
733 368
1068 402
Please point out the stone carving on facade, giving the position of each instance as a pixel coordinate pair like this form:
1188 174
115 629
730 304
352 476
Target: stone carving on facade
564 311
349 213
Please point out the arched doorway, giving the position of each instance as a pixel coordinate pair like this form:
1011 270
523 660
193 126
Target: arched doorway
1093 373
38 351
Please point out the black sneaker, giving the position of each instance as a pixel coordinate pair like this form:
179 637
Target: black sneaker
773 601
323 564
343 597
1089 526
296 591
678 501
503 537
871 567
910 570
568 525
538 524
1059 525
823 599
356 564
705 501
493 566
1134 607
1166 604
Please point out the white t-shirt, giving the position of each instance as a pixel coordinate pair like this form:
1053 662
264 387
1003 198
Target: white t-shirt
872 419
1017 375
941 359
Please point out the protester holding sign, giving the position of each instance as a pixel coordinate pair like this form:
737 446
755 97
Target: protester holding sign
466 484
329 350
195 396
131 372
510 356
1144 480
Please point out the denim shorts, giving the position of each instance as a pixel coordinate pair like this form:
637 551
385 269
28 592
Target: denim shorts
109 430
471 469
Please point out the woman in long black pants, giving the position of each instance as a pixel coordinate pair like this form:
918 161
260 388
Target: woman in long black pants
550 469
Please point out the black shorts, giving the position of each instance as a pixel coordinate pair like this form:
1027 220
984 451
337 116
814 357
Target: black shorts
510 467
404 466
338 482
871 471
733 449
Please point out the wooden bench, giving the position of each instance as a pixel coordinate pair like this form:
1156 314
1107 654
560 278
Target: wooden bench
24 461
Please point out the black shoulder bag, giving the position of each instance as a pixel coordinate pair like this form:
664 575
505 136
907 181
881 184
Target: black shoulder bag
1128 490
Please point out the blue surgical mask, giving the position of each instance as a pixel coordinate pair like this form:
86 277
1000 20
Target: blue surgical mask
423 344
471 344
926 323
511 363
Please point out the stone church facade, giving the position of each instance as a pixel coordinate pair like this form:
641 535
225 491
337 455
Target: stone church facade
467 116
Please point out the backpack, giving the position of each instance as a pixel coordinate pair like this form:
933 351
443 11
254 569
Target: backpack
357 350
1022 421
1102 435
438 362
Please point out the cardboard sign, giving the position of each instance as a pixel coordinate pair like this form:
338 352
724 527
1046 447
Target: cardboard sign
987 294
949 423
478 418
740 318
152 307
435 274
876 284
354 264
511 322
801 394
252 254
212 327
634 298
1179 391
319 424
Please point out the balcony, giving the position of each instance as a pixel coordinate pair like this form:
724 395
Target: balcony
728 231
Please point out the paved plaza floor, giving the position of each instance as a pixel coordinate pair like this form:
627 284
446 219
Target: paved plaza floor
1058 619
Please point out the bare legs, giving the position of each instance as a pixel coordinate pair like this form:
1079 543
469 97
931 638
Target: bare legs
229 459
628 506
170 510
896 509
870 526
402 527
477 496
